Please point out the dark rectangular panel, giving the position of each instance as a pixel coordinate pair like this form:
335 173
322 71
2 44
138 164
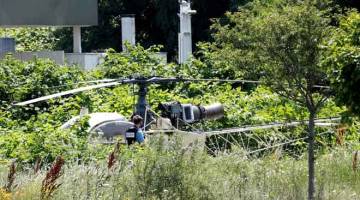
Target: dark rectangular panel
48 12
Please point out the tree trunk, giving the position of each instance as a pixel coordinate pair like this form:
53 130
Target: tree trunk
311 158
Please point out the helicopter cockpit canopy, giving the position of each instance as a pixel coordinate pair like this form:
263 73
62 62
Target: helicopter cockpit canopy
104 124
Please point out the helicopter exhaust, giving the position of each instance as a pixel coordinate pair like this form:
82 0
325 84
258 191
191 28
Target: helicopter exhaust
210 112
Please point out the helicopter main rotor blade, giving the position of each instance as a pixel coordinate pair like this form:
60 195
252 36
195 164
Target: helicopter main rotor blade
100 81
221 80
165 80
240 81
162 80
74 91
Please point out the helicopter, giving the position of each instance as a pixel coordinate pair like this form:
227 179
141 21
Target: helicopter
173 117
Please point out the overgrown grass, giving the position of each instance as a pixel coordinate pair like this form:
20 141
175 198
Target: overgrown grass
173 172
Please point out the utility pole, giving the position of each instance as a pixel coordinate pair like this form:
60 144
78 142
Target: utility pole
185 38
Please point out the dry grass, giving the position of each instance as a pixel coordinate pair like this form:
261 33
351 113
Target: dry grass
172 172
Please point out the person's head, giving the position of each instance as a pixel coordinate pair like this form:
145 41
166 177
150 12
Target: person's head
137 120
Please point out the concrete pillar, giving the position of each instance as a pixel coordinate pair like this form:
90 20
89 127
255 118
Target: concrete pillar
127 30
185 38
77 39
185 47
7 45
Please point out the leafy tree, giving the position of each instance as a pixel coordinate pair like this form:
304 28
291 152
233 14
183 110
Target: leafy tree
24 80
30 132
157 23
137 61
344 56
283 40
20 81
208 10
348 3
31 39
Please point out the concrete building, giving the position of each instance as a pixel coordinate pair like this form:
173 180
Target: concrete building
44 13
76 14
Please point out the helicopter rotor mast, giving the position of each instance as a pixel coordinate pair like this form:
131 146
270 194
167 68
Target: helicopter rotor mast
142 103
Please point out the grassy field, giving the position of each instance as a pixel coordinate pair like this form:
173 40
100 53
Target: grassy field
172 172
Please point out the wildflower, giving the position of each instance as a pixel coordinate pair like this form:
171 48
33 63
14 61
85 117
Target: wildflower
355 161
340 135
111 160
49 184
11 177
37 165
4 195
112 156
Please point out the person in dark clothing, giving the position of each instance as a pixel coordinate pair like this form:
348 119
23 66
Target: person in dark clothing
135 133
139 135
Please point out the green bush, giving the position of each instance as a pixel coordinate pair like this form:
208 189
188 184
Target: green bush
31 39
30 132
136 61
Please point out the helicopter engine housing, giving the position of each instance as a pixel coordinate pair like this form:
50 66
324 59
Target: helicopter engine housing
188 113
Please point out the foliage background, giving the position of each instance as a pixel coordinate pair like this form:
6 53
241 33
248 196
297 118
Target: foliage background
32 132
